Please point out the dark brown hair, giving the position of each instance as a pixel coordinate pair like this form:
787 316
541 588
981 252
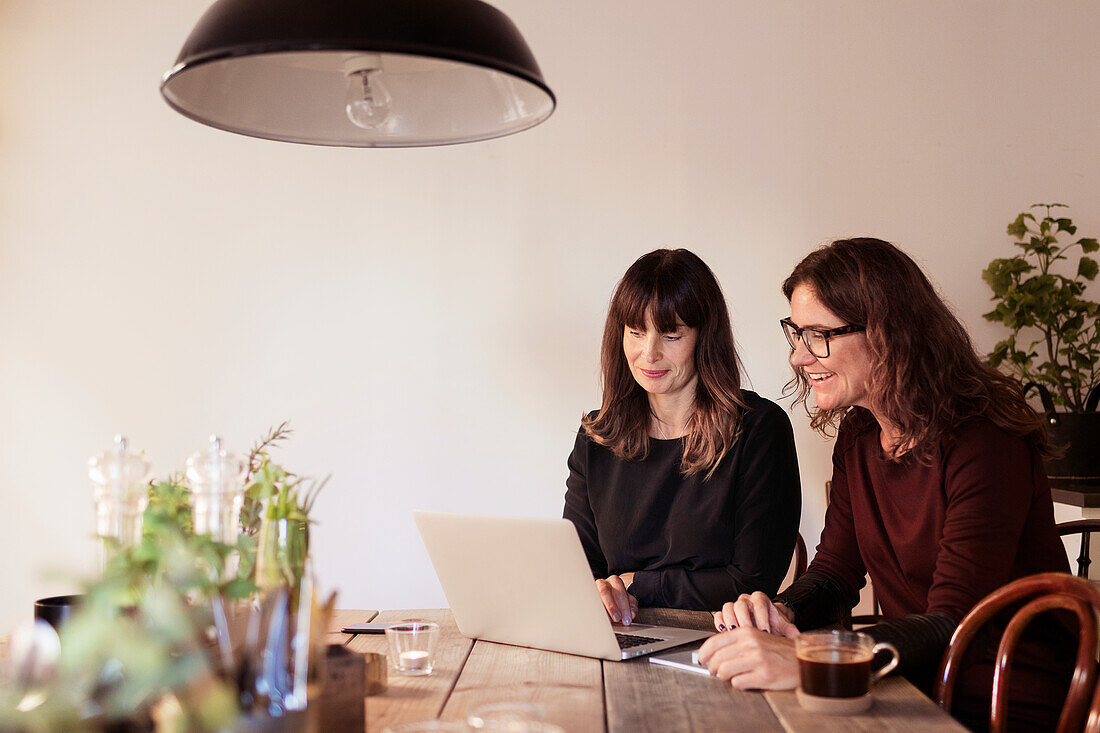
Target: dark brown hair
926 377
670 284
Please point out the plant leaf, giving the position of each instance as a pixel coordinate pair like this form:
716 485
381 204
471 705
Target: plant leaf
1066 225
1018 228
1087 268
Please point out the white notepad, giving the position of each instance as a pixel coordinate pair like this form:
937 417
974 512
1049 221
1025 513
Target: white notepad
685 659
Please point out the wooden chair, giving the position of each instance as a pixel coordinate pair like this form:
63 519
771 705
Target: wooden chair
798 562
800 556
1085 528
1039 593
859 620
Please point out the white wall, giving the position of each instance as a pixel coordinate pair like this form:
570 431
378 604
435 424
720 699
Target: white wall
429 319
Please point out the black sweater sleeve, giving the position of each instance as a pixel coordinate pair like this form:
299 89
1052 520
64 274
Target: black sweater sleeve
578 508
816 600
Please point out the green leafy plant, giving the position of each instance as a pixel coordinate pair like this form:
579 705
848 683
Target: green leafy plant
1044 308
167 530
136 643
274 495
139 649
294 495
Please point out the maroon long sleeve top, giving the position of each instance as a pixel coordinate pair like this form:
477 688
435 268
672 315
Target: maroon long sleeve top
936 539
941 537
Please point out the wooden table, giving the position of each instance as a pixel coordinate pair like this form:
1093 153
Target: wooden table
582 695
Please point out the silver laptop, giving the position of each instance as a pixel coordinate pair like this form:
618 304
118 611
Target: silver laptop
526 582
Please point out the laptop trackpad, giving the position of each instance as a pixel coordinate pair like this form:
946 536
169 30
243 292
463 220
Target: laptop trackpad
638 629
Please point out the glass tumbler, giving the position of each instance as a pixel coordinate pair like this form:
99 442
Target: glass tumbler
513 717
412 647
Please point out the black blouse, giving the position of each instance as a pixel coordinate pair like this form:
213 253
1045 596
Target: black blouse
691 543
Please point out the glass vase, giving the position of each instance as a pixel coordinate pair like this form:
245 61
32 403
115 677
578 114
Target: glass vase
281 553
284 665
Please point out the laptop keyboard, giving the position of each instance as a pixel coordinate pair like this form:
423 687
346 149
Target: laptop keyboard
628 641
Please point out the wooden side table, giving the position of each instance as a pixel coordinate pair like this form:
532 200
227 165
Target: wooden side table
1078 502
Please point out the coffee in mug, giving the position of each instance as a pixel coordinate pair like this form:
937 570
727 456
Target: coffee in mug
834 670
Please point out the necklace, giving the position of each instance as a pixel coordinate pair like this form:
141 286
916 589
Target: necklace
670 434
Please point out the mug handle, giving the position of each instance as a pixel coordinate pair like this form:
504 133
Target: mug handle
884 646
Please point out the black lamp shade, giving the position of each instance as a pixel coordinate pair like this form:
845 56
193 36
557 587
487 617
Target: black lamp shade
455 70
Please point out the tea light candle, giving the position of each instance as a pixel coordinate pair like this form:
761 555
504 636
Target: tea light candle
410 644
414 661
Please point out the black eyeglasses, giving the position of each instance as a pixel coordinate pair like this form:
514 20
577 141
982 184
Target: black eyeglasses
815 339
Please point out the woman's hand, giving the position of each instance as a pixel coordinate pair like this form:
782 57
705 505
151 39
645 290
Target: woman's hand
620 605
751 659
756 611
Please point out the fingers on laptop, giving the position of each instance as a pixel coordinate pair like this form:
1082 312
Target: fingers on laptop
620 605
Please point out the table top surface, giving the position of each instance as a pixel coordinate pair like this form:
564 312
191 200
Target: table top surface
1079 495
585 695
581 694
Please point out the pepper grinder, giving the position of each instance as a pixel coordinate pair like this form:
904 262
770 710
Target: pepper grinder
216 480
121 479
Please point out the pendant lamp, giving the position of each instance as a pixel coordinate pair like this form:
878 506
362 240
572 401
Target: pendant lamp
359 73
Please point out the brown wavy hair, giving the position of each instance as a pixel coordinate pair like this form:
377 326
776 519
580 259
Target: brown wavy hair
670 284
926 377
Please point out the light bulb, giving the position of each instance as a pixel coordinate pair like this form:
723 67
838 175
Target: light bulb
368 101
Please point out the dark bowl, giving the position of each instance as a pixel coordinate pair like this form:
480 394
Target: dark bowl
56 609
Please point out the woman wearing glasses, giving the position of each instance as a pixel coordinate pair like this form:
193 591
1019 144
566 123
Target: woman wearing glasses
683 487
938 488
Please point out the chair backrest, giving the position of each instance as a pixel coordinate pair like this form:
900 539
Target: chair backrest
1085 528
798 562
1038 593
800 556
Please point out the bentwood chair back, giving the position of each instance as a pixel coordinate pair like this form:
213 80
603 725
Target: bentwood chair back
800 556
798 562
1085 528
1039 594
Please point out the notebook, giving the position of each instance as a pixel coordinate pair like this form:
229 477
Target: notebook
685 659
526 582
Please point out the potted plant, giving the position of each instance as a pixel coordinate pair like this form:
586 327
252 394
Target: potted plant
277 506
1054 342
160 641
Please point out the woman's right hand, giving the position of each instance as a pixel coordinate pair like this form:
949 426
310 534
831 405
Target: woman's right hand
756 611
620 605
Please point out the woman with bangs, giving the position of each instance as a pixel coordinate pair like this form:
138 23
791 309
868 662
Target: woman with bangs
938 492
683 487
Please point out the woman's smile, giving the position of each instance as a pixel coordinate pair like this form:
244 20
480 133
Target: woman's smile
662 363
843 378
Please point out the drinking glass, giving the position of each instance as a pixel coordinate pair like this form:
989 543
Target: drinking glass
505 716
428 726
412 647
